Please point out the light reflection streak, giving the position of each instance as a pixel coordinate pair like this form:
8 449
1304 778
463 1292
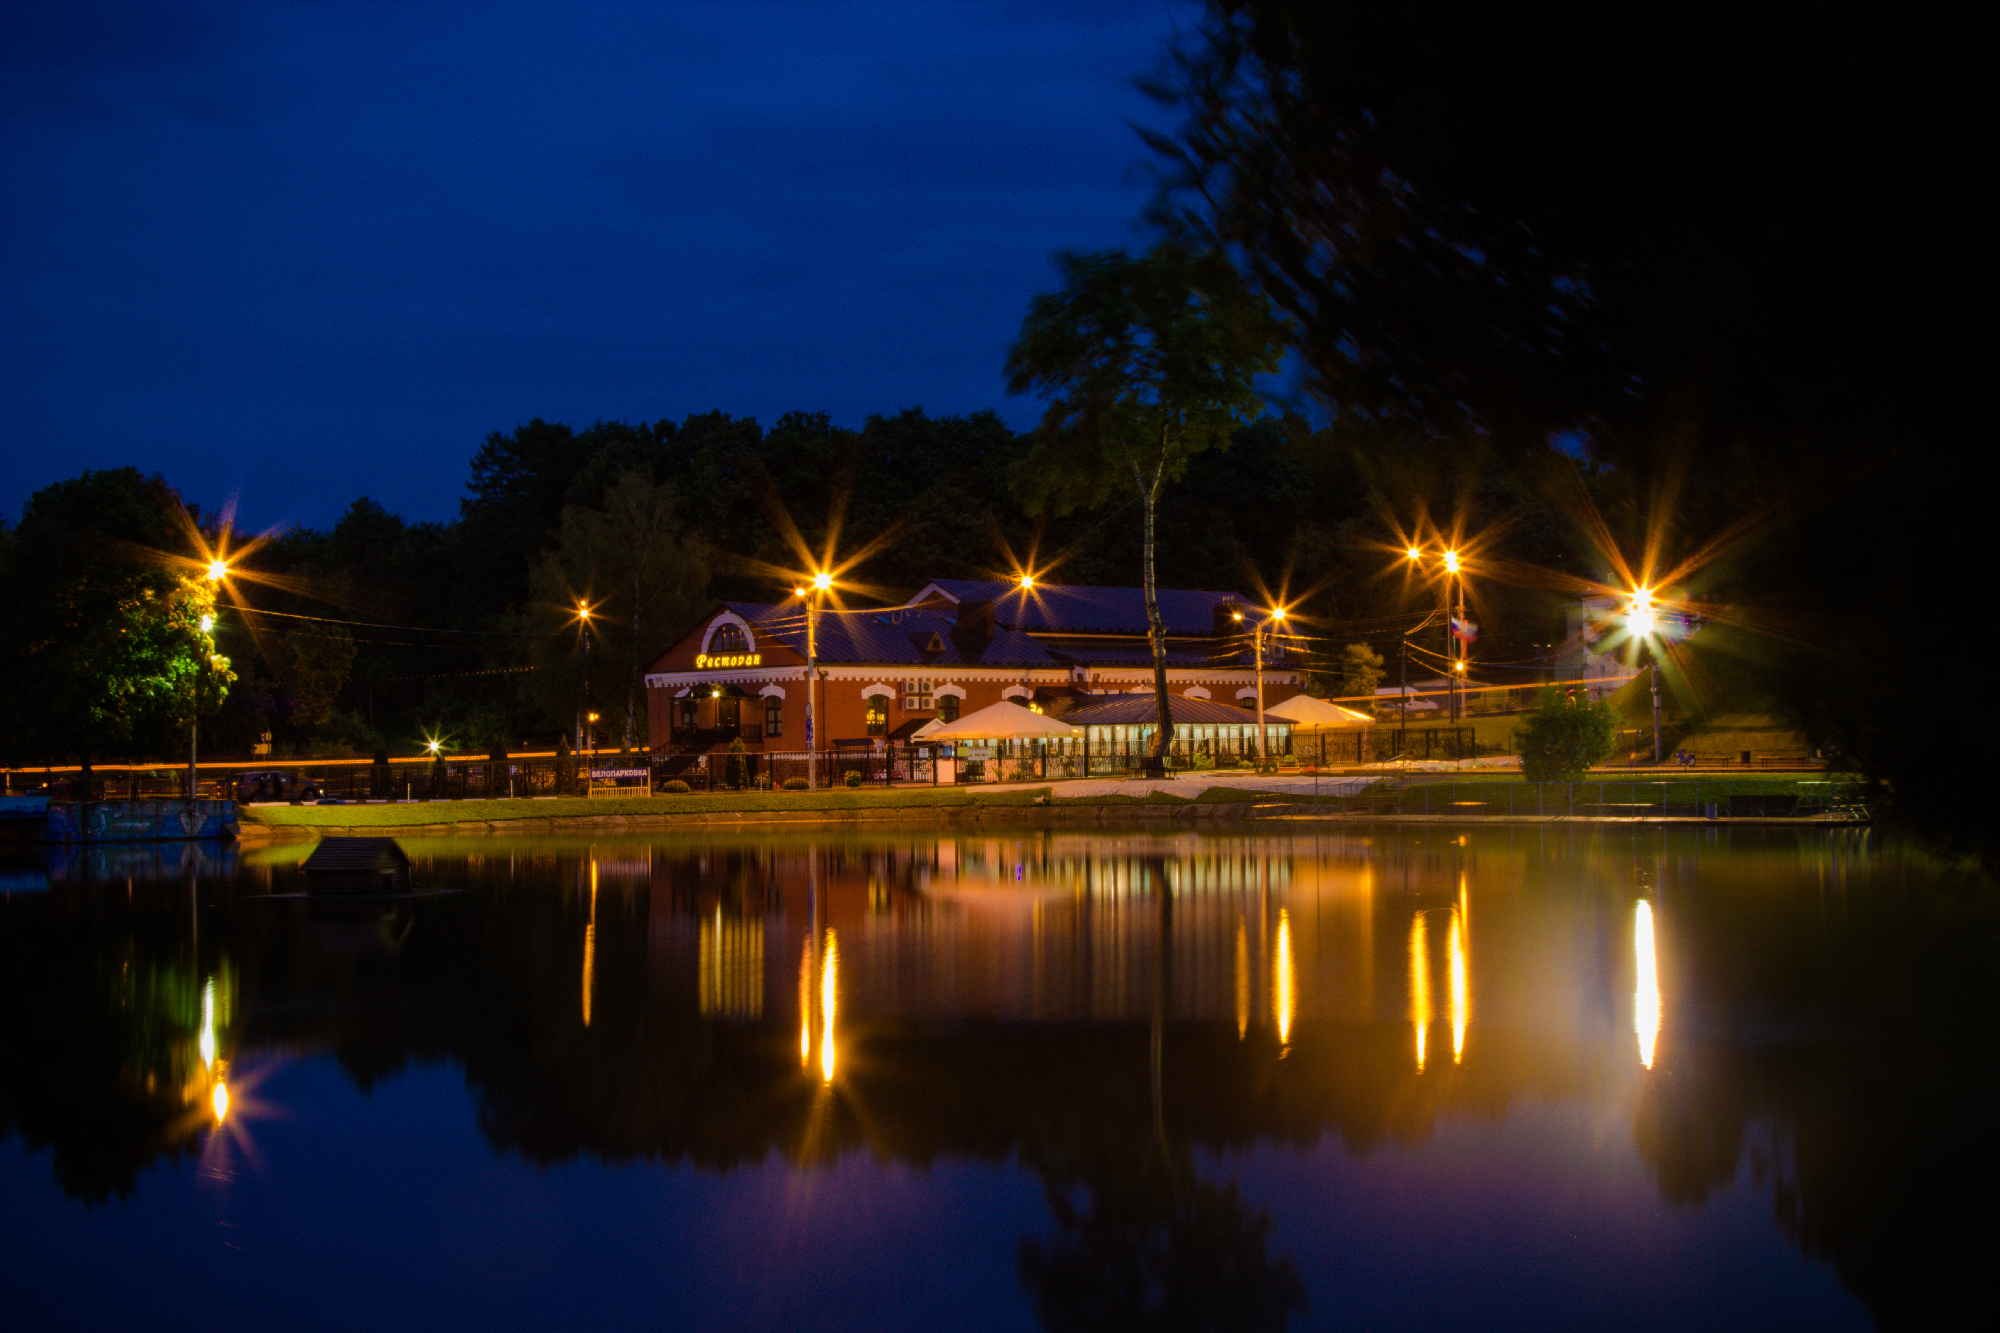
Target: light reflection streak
805 1006
1455 949
1281 984
1646 1000
1242 979
219 1100
1420 984
829 1002
590 945
206 1042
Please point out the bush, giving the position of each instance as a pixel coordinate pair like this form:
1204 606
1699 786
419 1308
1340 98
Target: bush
1564 736
795 784
675 786
739 765
854 779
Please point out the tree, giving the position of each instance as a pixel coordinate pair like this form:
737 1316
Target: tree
104 642
1689 281
1144 363
317 663
641 573
1360 670
1565 736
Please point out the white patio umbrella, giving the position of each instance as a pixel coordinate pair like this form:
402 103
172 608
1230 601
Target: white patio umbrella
1004 721
1306 711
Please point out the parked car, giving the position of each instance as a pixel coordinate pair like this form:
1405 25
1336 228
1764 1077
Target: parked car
274 785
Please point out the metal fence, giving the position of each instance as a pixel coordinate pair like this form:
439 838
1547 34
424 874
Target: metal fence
1715 798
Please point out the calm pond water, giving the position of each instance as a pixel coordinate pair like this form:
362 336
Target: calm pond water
1398 1077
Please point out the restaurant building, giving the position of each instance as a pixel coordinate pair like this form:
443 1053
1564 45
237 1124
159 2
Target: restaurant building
955 647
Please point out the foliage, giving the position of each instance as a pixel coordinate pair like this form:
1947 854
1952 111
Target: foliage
317 663
675 787
1360 670
565 765
104 646
1144 363
795 784
1476 271
1565 735
630 559
853 779
738 768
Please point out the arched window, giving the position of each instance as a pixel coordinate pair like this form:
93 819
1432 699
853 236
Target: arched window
774 715
878 715
727 641
947 708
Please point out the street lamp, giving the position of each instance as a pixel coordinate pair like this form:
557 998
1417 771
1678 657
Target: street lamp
821 583
1640 624
217 571
583 618
1277 617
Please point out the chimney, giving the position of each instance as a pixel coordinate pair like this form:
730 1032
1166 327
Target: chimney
974 619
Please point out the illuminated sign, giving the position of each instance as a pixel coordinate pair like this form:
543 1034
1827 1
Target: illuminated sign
704 662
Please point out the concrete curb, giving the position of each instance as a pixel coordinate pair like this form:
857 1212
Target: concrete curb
1207 812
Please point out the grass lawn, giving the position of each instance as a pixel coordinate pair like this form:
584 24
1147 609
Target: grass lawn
698 803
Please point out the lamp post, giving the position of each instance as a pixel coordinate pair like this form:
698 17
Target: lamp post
1454 617
812 594
583 615
1640 623
1277 617
217 571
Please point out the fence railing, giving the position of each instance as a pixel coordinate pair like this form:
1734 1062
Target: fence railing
476 778
1706 798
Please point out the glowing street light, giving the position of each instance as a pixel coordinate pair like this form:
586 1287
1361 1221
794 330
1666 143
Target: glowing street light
433 745
821 583
218 570
1027 581
1277 617
1641 624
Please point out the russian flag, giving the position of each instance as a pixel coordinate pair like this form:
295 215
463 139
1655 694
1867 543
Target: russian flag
1464 630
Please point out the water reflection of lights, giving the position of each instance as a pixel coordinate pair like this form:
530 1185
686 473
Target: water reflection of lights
1282 998
805 1006
590 946
1420 984
1455 948
1646 1000
206 1042
219 1101
829 1001
1242 980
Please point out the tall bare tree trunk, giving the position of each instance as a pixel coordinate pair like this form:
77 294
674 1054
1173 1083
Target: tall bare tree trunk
1163 733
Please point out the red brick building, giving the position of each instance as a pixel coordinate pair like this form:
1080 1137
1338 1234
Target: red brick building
955 647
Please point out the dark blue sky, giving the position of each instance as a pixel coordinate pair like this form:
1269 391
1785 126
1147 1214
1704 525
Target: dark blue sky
306 252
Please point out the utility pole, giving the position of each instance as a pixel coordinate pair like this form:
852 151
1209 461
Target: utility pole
820 583
1656 710
1404 695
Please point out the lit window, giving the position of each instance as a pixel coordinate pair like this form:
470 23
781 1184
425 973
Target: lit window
727 641
878 715
947 708
774 715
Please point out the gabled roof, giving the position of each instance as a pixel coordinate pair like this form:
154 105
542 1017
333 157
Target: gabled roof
1141 709
892 635
1052 608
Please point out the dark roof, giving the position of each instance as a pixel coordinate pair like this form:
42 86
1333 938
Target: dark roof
344 855
1048 607
1118 710
892 635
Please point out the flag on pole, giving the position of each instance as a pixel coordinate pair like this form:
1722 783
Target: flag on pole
1464 630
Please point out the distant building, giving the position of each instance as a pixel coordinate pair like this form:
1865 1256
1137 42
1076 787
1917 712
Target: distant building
955 647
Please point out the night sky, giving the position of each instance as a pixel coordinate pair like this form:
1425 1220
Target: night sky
300 253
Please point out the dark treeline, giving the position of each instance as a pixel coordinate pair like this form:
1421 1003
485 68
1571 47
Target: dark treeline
379 632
